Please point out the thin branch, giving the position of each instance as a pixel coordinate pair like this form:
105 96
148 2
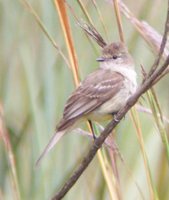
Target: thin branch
149 34
108 142
110 181
100 140
166 71
162 47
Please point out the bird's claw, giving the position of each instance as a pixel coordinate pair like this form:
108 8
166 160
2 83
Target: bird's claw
115 119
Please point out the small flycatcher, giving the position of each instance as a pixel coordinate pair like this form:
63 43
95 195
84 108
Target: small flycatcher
102 94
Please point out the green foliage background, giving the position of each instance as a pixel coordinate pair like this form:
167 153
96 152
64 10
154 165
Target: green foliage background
34 85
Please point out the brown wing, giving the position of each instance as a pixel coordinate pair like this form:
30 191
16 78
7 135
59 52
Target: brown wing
95 90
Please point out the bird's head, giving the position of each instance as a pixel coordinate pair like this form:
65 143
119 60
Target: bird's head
115 54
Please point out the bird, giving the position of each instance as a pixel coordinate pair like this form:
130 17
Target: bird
101 94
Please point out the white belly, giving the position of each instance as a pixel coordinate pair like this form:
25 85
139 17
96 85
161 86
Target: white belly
113 105
118 101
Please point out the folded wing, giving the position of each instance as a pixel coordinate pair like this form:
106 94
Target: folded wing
95 90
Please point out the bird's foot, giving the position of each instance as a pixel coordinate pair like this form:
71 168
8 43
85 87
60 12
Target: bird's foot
114 114
115 118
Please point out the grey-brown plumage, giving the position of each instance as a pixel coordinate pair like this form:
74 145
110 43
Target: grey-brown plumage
102 93
93 92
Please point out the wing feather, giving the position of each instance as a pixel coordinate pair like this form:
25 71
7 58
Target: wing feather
95 90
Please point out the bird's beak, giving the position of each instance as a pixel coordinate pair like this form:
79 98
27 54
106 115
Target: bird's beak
100 59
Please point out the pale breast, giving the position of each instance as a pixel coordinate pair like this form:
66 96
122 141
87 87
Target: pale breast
119 100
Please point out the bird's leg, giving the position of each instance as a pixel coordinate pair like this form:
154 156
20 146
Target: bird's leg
115 119
114 116
91 126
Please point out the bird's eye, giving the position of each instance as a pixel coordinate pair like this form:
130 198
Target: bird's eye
114 57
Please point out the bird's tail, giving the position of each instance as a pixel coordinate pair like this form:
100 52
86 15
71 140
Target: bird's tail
56 137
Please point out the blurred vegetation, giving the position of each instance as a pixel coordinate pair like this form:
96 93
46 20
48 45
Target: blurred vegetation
35 82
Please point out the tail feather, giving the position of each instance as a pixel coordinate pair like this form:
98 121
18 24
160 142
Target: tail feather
56 137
